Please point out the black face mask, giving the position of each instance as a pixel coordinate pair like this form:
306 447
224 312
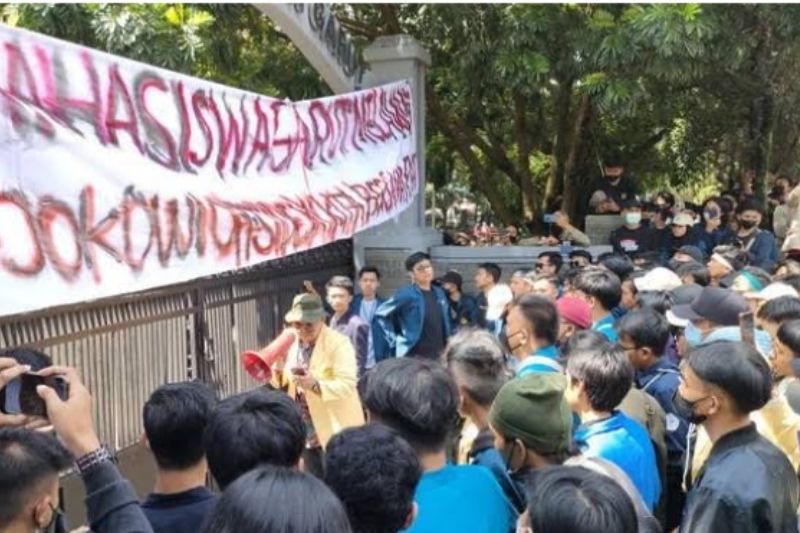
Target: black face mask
747 224
685 409
674 264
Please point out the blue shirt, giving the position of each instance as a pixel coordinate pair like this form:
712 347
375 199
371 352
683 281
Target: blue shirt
606 326
183 512
543 360
624 442
461 498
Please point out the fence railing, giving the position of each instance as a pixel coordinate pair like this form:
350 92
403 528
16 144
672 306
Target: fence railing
127 346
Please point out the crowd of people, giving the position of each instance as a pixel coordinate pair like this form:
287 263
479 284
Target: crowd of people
632 392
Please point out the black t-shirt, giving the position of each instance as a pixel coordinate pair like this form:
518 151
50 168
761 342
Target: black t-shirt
431 339
624 190
183 512
633 241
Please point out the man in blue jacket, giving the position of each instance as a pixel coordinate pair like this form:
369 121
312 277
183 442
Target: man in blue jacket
366 305
597 381
415 322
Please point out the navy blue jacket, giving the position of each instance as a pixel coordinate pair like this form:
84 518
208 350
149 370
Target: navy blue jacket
352 326
465 312
763 251
483 453
661 381
400 319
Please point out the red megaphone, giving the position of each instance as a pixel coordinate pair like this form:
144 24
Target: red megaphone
259 364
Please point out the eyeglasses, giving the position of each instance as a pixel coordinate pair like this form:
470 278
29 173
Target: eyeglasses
303 325
539 266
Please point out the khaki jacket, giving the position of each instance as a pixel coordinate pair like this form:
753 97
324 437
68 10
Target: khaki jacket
333 364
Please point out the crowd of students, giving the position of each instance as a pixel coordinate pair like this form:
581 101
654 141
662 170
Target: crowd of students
617 394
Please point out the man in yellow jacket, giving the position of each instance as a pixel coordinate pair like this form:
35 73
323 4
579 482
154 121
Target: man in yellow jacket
320 374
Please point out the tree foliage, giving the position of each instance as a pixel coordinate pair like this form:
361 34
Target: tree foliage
524 100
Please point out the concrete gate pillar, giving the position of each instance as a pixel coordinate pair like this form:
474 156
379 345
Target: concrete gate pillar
392 58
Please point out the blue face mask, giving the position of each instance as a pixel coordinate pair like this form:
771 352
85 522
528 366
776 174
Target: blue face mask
693 335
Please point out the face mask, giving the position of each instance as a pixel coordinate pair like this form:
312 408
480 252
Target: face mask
747 224
505 340
685 409
674 264
710 214
633 219
693 335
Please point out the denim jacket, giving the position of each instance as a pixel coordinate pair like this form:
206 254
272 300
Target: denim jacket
401 317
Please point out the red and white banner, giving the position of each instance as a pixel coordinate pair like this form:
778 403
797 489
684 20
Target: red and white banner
117 176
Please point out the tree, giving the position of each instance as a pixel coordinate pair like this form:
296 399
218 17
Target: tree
233 44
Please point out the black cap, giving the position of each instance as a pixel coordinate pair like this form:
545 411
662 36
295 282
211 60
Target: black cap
720 306
631 203
452 276
685 294
692 251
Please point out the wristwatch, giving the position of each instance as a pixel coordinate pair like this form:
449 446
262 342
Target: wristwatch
92 459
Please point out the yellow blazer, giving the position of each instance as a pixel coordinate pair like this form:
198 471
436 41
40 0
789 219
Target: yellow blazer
333 364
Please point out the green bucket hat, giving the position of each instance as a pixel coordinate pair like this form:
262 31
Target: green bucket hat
306 308
533 409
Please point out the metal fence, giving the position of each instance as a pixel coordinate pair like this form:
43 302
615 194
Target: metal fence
128 346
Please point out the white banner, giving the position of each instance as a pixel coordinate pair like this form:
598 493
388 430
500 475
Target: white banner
117 176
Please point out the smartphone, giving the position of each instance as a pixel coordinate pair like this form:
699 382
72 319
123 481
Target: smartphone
21 397
297 371
747 327
549 219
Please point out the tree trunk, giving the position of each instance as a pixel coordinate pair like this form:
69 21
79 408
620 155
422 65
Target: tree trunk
561 145
760 132
524 145
573 187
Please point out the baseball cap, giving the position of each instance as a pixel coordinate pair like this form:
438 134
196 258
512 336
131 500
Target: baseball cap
692 251
575 311
631 203
720 306
772 291
306 308
683 295
658 279
451 276
683 219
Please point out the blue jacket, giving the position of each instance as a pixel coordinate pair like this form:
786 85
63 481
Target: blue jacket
483 453
708 241
400 320
376 336
465 312
763 251
624 442
661 381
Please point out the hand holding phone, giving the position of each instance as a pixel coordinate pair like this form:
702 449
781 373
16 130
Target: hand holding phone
747 328
21 397
71 418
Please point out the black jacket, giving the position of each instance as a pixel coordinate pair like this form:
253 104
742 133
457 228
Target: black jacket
747 485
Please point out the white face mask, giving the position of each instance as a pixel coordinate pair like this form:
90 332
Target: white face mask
633 219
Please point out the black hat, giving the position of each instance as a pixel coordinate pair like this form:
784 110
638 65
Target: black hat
720 306
631 203
692 251
452 276
685 294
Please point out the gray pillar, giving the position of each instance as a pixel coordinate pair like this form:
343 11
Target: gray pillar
392 58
